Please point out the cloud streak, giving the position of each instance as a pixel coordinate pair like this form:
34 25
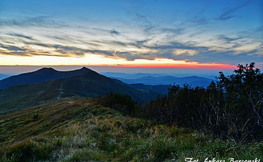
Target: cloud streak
39 21
228 13
21 36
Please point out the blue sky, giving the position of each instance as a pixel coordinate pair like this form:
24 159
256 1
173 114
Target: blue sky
131 33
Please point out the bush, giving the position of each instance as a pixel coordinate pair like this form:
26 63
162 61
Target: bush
121 102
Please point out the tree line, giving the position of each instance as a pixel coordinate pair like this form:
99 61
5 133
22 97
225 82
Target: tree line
231 107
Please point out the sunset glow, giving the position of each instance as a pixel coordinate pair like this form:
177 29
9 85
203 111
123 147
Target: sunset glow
97 60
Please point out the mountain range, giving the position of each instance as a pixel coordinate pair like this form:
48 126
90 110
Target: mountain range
165 80
47 85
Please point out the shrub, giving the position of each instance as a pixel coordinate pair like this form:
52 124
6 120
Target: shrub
121 102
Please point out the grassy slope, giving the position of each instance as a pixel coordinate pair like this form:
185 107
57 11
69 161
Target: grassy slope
19 97
82 130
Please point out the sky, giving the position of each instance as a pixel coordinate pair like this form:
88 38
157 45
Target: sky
145 35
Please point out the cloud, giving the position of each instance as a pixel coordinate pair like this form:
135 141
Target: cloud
144 23
228 13
114 32
195 21
184 51
50 50
173 50
139 44
175 31
251 48
38 21
200 21
12 48
118 43
78 51
141 17
227 39
137 49
21 36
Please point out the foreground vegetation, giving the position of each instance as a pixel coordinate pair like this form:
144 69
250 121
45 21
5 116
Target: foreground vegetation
83 130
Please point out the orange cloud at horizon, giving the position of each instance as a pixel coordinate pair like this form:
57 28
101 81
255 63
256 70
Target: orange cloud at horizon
212 66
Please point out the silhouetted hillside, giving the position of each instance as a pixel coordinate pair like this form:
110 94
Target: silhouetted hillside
38 76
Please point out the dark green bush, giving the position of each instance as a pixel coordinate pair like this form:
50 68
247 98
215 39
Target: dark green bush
121 102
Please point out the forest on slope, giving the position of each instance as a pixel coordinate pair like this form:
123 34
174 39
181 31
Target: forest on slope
231 107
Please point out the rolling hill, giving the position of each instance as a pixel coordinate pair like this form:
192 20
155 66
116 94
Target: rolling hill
87 84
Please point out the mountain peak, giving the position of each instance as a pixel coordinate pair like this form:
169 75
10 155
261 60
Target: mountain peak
85 70
46 69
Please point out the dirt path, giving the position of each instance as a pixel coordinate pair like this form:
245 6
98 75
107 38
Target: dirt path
60 89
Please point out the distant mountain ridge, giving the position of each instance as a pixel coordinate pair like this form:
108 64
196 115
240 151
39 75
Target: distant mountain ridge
41 75
168 80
